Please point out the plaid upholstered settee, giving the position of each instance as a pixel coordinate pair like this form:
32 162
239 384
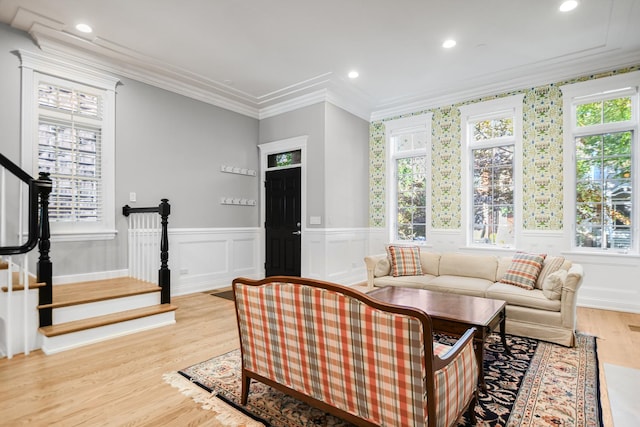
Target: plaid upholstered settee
365 361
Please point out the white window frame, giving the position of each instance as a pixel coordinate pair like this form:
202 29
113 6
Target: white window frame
397 127
37 67
627 84
510 106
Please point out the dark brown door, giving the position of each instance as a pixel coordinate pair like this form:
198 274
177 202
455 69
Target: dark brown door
283 219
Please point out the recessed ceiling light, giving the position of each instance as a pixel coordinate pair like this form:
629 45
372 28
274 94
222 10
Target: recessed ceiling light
448 44
84 28
353 74
568 5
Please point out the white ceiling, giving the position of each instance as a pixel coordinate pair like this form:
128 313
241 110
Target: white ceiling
260 57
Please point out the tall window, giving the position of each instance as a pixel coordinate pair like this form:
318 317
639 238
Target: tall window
68 131
70 149
409 142
601 122
491 133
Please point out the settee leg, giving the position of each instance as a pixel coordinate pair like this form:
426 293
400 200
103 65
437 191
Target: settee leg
246 382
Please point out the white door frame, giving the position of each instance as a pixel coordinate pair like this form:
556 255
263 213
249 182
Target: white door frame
281 146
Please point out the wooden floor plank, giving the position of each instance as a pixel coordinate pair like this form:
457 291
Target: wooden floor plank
119 382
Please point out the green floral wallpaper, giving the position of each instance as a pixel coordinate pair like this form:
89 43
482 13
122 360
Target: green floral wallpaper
542 160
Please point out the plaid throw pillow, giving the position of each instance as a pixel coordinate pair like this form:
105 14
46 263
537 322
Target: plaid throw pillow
524 270
405 260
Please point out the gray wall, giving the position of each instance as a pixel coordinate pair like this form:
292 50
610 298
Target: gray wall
308 121
167 145
346 169
172 146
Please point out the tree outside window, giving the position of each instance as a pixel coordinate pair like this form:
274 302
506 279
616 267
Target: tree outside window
411 198
604 176
492 153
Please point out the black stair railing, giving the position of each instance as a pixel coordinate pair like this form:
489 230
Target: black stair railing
38 232
164 274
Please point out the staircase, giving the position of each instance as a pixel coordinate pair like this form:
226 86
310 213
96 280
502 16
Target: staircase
85 313
61 317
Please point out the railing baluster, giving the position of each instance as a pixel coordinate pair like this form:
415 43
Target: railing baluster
3 208
9 334
147 234
25 303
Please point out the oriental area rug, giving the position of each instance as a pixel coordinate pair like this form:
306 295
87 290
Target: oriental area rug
539 384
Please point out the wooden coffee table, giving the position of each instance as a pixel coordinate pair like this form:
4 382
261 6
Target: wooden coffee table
453 314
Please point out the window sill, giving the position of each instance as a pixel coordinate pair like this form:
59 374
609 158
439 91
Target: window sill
421 244
603 253
79 236
500 249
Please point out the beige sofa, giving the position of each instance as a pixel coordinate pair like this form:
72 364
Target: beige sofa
530 313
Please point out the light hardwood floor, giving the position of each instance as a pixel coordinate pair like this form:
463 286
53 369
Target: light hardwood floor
119 382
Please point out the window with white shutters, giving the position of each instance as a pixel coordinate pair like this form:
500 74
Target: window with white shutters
68 131
69 149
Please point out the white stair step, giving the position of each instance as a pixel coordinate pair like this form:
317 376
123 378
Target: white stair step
101 308
65 336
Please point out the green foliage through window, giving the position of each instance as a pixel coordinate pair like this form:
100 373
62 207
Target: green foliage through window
284 159
600 112
493 204
411 198
604 182
493 128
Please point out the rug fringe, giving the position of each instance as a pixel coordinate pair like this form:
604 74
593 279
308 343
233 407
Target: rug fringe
225 414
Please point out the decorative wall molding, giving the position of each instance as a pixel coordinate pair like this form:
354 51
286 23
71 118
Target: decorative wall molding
203 259
336 254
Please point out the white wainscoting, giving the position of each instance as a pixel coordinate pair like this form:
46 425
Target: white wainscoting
201 259
210 258
611 281
335 254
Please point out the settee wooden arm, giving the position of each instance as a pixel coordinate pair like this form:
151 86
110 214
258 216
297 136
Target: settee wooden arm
440 362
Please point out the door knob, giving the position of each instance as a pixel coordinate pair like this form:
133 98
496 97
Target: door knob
297 233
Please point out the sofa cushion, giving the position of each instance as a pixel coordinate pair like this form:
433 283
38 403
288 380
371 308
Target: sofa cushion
524 270
552 286
480 266
504 262
419 282
522 297
405 260
472 286
430 262
550 265
382 268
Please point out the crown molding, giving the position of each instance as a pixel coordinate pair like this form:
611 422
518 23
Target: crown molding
54 38
97 53
293 104
542 74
